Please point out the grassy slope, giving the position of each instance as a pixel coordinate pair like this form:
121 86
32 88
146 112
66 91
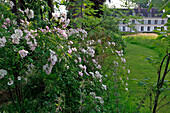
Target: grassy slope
141 69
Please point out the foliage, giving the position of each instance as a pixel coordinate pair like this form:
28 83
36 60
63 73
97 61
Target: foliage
143 75
50 67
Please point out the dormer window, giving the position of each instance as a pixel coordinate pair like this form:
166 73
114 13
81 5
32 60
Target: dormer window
149 15
149 21
133 21
162 22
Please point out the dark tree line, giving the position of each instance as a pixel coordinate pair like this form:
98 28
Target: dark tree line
22 5
35 4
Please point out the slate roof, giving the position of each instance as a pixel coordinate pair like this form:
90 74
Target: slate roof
142 12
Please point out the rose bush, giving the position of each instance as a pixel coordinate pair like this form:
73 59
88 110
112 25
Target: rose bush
53 68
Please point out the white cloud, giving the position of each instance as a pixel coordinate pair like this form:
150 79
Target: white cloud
116 3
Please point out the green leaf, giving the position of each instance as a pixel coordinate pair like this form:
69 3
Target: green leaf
147 78
162 90
164 15
150 6
57 6
160 37
13 67
62 1
69 55
158 3
48 95
31 60
141 83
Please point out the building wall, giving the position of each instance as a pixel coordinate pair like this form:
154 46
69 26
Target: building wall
148 25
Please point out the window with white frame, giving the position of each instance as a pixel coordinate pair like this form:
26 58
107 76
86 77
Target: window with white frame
156 21
149 15
124 28
142 28
149 21
162 22
148 28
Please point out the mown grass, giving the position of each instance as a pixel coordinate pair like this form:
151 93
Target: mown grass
143 74
148 41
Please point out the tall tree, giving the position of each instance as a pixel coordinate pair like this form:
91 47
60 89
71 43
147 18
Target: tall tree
15 10
96 6
51 6
21 4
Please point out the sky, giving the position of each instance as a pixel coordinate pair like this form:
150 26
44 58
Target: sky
116 3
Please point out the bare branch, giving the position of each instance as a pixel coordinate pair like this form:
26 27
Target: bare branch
162 106
166 68
159 72
168 71
162 100
97 24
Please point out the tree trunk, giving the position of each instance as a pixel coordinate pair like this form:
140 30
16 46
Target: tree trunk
75 11
22 4
15 10
41 13
50 4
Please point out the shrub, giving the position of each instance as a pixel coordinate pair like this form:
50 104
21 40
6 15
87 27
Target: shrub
56 69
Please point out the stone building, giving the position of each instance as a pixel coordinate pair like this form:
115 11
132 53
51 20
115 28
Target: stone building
151 20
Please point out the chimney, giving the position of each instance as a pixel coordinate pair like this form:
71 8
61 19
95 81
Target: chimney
139 7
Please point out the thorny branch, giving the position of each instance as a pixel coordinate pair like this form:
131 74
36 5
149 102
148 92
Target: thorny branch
160 83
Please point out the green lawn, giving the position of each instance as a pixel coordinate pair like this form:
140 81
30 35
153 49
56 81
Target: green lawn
139 66
141 70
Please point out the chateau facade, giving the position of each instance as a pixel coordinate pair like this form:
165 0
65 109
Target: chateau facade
151 20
